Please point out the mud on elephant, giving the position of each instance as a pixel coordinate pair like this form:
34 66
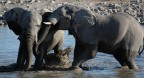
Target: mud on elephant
118 34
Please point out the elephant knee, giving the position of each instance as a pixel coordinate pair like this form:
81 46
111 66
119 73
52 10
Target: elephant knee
90 54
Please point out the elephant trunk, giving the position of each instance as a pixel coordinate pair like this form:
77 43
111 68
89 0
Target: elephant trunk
41 36
29 50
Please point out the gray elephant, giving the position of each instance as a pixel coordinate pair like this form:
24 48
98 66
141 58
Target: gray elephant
32 35
118 34
53 41
26 25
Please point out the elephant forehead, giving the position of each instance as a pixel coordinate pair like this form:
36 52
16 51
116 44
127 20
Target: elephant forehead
37 18
31 21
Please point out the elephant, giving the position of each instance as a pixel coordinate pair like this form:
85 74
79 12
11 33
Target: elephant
53 41
26 24
33 36
118 34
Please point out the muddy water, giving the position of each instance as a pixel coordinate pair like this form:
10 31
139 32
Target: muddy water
103 66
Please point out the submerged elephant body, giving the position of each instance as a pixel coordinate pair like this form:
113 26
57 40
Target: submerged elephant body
118 34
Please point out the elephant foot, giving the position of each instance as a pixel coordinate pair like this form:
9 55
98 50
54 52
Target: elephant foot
76 69
36 67
124 67
18 67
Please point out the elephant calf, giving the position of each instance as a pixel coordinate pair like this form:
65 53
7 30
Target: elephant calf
51 41
118 34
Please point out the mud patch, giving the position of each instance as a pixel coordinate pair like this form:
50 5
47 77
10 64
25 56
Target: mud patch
60 60
52 61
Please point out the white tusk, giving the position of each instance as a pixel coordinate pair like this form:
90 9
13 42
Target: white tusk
1 17
47 23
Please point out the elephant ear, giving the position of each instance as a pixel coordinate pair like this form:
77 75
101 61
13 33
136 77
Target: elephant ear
84 27
82 20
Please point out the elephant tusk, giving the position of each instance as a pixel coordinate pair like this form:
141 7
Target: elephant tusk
1 17
47 23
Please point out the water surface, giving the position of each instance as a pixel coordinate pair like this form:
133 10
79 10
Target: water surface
104 65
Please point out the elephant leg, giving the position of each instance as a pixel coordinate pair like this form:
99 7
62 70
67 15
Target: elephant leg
21 57
129 57
28 61
59 46
82 53
130 60
119 56
131 63
35 52
39 59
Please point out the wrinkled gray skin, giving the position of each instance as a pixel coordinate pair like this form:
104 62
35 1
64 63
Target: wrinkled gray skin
53 41
26 25
118 34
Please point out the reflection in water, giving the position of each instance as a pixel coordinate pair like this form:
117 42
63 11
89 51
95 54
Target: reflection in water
8 46
126 73
104 65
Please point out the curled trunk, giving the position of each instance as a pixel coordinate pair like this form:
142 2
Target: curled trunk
41 36
43 31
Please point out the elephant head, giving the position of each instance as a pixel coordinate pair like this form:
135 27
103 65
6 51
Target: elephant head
69 15
27 25
72 18
63 15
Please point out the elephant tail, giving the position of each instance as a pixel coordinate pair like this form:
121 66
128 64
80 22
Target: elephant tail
141 49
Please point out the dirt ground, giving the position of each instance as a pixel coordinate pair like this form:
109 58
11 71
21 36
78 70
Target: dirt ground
52 4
